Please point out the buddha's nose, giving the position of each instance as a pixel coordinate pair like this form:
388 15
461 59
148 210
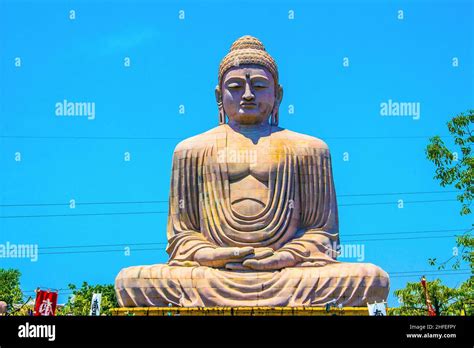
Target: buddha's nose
248 95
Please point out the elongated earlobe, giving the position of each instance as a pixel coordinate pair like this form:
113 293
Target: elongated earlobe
276 107
221 113
274 121
220 106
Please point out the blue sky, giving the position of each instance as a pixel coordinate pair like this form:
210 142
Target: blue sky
174 62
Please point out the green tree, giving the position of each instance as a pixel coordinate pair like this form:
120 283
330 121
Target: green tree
80 302
456 168
10 290
445 300
452 168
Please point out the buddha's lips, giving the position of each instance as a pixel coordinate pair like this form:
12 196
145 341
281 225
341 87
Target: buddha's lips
248 105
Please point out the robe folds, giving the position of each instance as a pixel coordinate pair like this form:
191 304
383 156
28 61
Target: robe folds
300 217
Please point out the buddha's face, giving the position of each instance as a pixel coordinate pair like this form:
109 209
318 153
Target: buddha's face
248 94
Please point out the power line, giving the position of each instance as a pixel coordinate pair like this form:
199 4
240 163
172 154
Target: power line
431 271
163 243
76 215
166 201
181 138
164 212
394 203
395 193
163 248
385 137
79 203
44 287
401 238
404 232
85 137
100 245
97 251
438 274
361 234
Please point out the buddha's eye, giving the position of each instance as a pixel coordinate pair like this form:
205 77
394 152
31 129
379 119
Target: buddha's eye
259 86
233 85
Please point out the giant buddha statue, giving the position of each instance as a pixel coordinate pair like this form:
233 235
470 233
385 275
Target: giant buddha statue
253 217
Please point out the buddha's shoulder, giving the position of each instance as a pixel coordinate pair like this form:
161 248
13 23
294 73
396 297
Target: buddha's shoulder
202 140
300 140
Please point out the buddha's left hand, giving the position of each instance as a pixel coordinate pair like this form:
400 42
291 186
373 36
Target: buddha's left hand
279 260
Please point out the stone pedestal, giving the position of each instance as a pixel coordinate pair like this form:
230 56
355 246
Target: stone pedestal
238 311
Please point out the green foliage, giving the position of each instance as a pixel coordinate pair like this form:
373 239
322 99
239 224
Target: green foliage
452 168
450 171
10 290
459 173
445 300
80 302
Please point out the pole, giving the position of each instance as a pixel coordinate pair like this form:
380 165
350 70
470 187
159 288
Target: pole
431 311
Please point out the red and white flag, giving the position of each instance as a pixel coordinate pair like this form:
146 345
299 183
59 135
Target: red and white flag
45 304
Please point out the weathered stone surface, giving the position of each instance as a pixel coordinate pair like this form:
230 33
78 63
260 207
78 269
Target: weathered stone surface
253 217
239 311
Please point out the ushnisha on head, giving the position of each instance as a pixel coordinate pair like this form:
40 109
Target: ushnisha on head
248 91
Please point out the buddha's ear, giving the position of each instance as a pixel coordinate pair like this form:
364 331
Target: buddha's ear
278 94
278 97
276 105
218 94
220 105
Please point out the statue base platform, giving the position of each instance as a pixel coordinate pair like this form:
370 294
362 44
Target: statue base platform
238 311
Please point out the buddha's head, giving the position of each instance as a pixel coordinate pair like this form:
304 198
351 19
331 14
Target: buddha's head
248 91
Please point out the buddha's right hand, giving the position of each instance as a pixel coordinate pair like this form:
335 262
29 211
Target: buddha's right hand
219 257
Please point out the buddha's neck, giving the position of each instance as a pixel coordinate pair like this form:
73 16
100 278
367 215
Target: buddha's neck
251 129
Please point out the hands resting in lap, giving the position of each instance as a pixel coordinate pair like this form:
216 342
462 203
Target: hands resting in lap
246 258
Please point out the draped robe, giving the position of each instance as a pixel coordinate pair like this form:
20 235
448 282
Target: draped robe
300 217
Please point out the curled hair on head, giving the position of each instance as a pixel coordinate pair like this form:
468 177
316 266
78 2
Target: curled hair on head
248 50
